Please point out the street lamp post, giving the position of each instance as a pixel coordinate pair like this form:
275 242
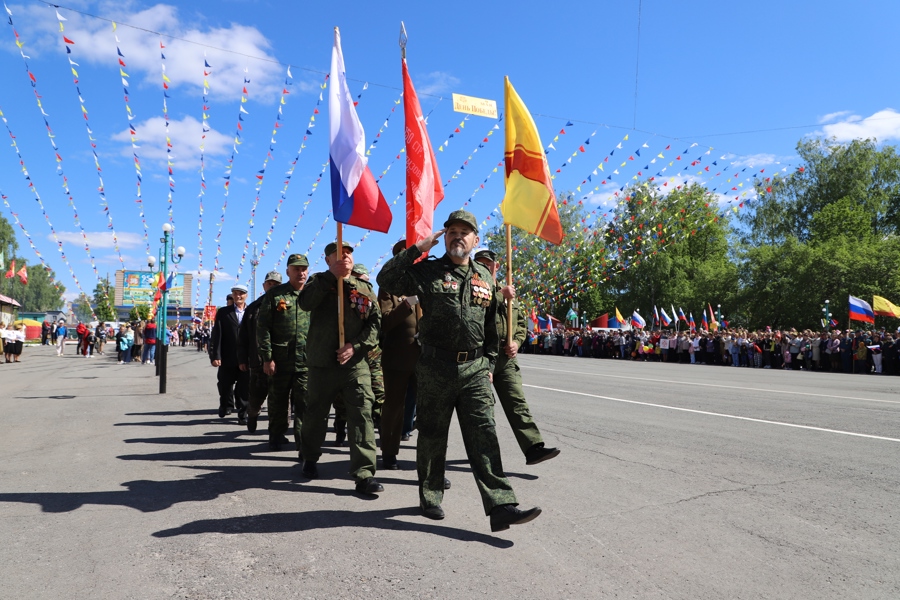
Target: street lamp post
826 310
719 314
165 255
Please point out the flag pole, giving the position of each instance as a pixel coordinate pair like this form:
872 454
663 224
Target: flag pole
509 308
340 254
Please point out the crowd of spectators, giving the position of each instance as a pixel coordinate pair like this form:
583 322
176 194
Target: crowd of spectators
875 352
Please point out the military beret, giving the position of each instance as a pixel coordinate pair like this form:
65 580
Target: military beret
486 253
273 276
462 216
360 269
332 248
297 260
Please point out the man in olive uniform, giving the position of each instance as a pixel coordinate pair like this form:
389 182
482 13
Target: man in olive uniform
341 369
281 332
458 332
374 360
248 353
374 357
507 377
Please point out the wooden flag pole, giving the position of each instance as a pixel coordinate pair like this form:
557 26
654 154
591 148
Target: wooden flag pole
509 310
340 256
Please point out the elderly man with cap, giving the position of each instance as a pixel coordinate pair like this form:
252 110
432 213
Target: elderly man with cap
281 337
341 369
223 353
458 332
507 378
248 353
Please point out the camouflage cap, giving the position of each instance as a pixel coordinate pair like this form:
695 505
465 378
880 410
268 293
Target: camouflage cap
273 276
332 248
360 269
486 253
462 216
297 260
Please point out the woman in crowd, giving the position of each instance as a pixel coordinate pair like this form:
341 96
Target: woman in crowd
8 338
124 343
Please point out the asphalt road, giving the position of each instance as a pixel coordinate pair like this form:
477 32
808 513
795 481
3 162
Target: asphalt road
674 482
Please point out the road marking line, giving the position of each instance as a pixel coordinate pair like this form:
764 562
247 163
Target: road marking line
715 385
714 414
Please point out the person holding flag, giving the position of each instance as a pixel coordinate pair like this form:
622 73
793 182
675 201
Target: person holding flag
343 328
507 378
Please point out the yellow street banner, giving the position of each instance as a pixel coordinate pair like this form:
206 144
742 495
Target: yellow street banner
884 307
475 106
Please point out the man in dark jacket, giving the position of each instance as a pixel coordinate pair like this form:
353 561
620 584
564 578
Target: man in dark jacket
223 353
248 353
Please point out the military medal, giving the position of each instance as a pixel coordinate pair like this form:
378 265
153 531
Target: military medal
448 282
360 302
481 292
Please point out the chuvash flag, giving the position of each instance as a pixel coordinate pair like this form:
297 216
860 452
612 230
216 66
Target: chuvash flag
355 197
530 202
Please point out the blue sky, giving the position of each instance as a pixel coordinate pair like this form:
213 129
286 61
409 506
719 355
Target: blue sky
747 79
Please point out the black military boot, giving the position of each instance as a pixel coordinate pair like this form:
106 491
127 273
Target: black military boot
340 432
507 514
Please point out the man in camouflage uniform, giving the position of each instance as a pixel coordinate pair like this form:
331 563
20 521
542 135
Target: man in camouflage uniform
282 328
248 353
336 369
458 333
374 360
507 377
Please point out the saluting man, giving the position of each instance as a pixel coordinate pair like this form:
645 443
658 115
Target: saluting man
281 334
507 377
458 333
341 370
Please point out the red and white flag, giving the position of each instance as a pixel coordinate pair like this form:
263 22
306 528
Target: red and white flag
424 190
23 275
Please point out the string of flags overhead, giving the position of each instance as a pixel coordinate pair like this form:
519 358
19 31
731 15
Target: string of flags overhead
68 43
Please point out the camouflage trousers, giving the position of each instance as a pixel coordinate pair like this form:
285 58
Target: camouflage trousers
508 385
286 387
354 385
374 361
442 388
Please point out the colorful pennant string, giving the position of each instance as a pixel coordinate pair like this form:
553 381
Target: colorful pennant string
260 175
37 197
230 165
56 150
87 124
134 139
310 125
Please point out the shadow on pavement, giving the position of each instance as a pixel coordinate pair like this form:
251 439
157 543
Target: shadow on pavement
327 519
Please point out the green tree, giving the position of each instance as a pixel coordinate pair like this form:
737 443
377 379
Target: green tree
42 292
82 309
139 312
103 302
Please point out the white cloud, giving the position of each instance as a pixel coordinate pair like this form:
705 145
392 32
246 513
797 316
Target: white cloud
100 239
832 116
95 42
436 83
185 135
883 125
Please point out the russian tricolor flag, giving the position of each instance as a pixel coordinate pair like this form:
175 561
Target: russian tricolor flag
666 320
681 316
355 197
637 320
692 324
860 310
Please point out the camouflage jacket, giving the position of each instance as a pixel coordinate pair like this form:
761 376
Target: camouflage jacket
362 318
281 329
520 328
459 308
